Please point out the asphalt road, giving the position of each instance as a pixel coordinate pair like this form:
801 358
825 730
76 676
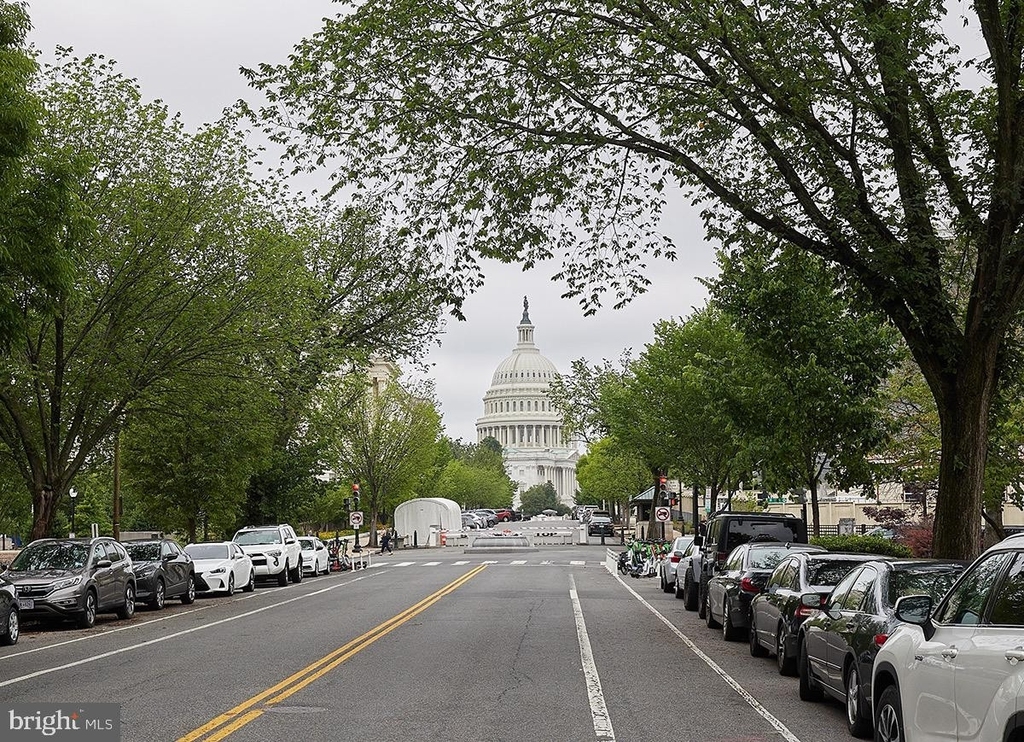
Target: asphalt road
427 644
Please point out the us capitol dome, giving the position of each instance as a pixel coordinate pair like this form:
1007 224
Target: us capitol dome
519 414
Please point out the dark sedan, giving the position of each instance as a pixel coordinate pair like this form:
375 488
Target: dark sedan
162 571
744 575
837 646
776 614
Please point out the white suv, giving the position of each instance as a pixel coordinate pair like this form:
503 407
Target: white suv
275 551
957 672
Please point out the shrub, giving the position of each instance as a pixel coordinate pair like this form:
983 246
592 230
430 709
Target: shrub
863 545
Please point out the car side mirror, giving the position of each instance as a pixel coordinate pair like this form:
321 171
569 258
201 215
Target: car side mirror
916 609
812 600
289 541
168 557
103 563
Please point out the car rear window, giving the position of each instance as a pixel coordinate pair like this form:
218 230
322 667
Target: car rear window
828 574
740 531
931 581
766 559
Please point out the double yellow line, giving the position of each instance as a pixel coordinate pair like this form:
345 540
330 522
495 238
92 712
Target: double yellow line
230 721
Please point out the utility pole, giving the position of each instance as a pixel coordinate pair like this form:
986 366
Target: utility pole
117 484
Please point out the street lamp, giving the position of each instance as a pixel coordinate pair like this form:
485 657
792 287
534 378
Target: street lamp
73 494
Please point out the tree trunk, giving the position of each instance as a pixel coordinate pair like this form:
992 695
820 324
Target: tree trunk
44 502
964 417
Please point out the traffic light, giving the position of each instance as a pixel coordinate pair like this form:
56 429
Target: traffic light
355 496
663 489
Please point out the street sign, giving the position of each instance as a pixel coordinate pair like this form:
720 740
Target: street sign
662 515
355 518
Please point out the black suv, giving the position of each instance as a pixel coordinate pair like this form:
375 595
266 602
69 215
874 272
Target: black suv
73 578
725 531
162 571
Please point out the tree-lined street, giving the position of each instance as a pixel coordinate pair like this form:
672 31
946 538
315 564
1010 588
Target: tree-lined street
426 644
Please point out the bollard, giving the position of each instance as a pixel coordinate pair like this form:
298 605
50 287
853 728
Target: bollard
415 539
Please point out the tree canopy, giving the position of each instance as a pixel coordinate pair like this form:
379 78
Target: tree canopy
555 127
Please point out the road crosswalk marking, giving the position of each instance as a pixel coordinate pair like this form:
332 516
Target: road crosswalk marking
460 563
577 563
518 561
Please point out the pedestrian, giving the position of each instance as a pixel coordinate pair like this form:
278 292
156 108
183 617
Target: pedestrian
385 542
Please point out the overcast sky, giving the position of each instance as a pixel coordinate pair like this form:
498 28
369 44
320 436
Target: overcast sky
187 53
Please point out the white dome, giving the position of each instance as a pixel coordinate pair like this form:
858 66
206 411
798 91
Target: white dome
524 367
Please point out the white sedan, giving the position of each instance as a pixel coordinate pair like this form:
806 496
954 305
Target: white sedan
221 566
314 556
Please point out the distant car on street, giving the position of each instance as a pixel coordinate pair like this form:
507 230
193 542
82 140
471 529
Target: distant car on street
669 566
222 566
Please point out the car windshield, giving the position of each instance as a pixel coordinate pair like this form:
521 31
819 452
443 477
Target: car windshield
932 581
766 558
262 536
53 555
307 544
144 552
207 551
828 574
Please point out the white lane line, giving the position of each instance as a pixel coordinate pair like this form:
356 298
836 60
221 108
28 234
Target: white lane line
490 561
547 561
158 640
767 715
579 564
598 710
431 564
460 563
518 561
404 564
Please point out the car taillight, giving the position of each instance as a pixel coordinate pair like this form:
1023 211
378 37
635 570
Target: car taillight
749 586
674 559
880 639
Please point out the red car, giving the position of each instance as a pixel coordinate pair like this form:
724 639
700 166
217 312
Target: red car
504 514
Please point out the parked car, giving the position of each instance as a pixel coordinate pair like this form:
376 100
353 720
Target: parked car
489 517
669 565
726 530
10 617
600 525
837 645
274 550
73 579
314 556
221 566
689 567
471 522
162 571
744 575
504 515
776 613
956 672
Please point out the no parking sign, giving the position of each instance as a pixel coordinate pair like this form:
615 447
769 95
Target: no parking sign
662 514
355 518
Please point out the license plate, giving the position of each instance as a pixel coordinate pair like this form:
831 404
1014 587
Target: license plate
26 604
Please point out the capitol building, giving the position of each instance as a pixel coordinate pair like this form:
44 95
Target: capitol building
521 417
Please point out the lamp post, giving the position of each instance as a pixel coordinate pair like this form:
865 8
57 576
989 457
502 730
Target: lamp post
73 494
801 495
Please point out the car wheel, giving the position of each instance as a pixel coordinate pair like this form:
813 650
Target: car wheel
689 594
809 689
729 632
189 596
251 584
127 610
12 628
677 588
159 596
702 605
88 617
231 585
756 650
282 577
858 725
709 616
889 721
787 664
296 574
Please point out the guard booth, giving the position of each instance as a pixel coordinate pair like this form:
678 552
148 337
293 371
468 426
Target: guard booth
415 519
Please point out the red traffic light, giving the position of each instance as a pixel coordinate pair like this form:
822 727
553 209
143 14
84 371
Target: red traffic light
663 479
355 488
